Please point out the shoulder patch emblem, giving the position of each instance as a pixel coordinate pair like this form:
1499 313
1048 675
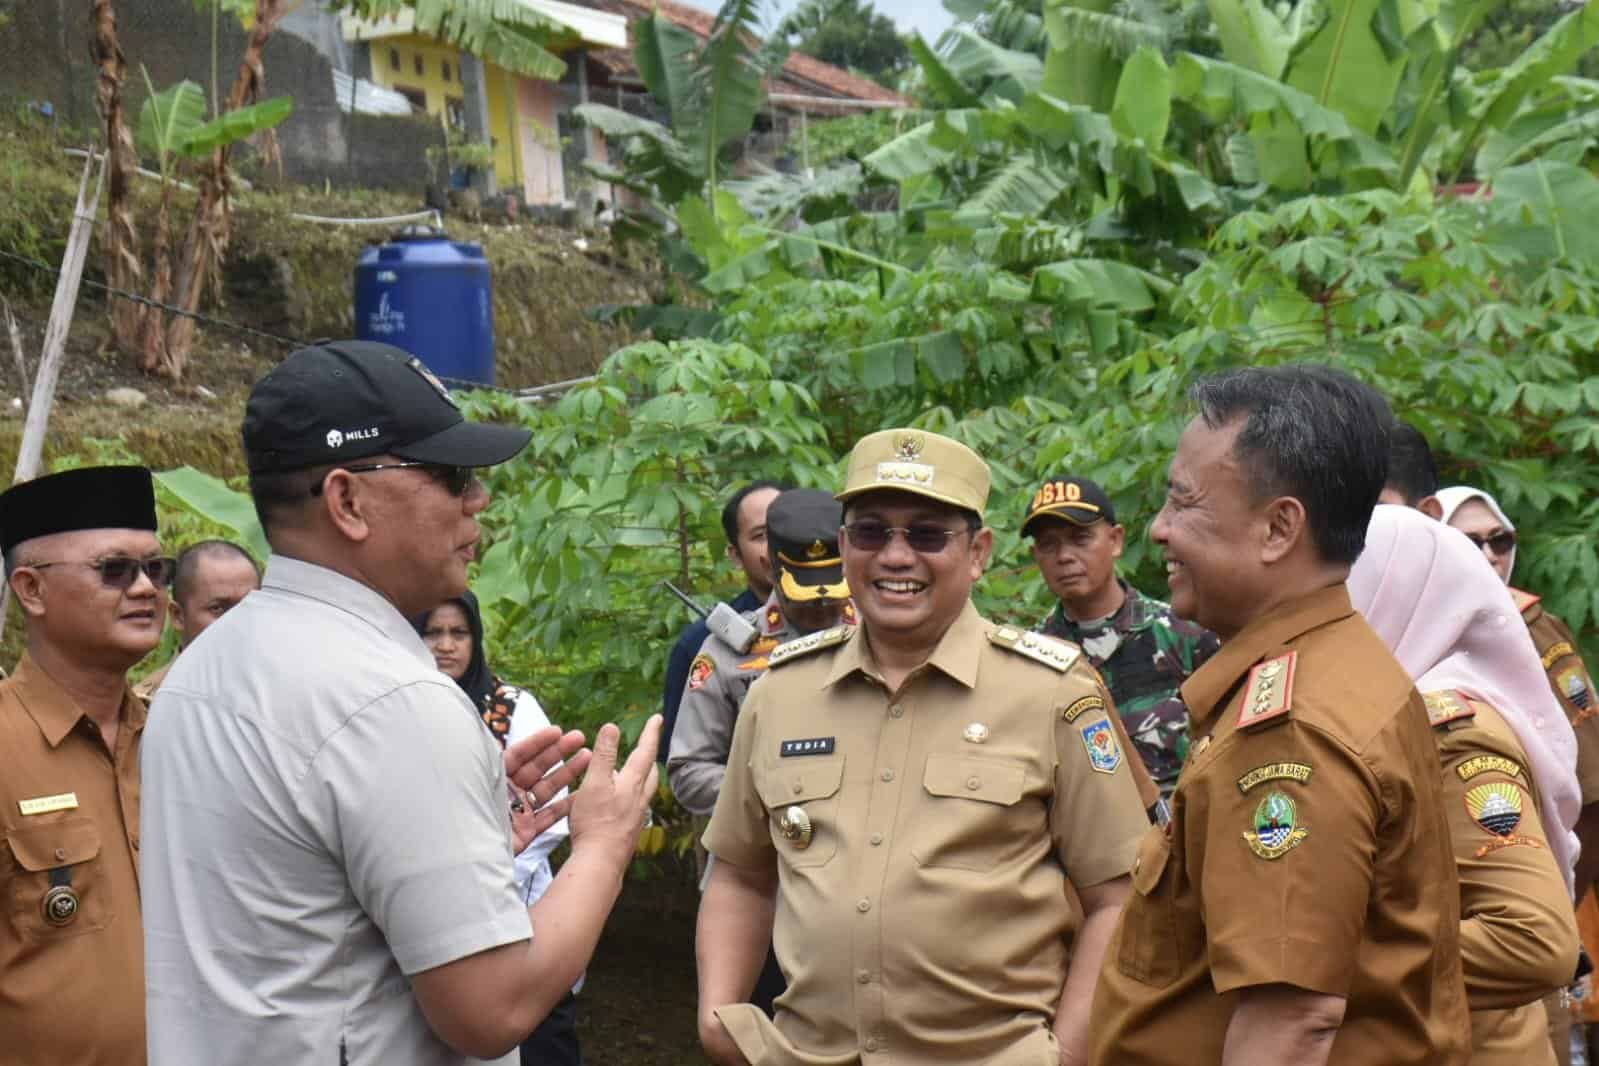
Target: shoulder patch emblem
1055 654
700 671
1573 684
1483 764
1270 691
1555 652
1104 754
800 646
1082 706
1277 830
1274 771
1446 707
1497 808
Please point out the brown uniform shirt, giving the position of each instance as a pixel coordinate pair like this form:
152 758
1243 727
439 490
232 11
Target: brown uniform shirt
927 915
70 993
1518 934
1568 676
1308 847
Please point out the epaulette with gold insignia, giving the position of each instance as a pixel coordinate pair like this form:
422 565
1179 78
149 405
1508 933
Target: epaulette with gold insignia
1523 600
1270 692
810 642
1055 654
1446 707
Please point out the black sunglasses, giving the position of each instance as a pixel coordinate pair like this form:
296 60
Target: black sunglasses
923 539
456 479
1501 542
121 571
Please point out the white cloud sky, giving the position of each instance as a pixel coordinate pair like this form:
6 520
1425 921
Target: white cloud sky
926 16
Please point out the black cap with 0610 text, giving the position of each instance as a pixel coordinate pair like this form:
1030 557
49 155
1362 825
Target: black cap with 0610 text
338 401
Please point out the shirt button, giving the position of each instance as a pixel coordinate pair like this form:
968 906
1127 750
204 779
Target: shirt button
974 783
864 977
863 905
798 788
871 1043
877 838
888 775
896 711
61 854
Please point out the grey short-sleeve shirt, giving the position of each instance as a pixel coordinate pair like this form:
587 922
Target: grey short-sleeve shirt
324 815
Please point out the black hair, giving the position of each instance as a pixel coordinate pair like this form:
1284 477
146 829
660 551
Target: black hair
189 564
735 501
282 497
1411 472
1310 432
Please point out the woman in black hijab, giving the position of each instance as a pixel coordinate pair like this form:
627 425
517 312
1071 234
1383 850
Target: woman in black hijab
453 632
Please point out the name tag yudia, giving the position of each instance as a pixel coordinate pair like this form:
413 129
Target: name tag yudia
65 801
812 746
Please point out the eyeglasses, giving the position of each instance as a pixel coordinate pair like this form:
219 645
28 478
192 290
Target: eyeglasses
456 479
924 539
1502 542
121 571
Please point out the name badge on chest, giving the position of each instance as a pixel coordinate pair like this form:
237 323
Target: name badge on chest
812 746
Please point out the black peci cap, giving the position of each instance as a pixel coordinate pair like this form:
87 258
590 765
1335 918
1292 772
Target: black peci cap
802 529
90 497
1076 499
343 400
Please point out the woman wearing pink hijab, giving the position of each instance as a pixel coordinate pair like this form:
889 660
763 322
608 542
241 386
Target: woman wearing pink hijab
1508 759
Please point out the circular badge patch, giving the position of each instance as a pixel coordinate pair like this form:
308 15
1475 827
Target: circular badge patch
1277 830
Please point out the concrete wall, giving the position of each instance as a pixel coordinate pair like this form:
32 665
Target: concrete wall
44 55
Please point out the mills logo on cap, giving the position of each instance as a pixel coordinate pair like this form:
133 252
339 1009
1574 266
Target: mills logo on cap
918 462
338 401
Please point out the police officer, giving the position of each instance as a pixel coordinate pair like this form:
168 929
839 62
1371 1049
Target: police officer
84 564
1141 650
808 594
911 806
1303 905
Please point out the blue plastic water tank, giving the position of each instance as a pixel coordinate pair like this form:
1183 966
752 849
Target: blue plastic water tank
431 296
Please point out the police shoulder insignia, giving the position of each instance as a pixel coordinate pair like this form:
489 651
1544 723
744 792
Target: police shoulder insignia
1104 754
1055 654
1555 652
1496 807
1573 684
1277 830
700 671
1270 691
1446 707
1483 764
1081 706
801 646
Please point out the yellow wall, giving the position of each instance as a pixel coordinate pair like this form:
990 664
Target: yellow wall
438 92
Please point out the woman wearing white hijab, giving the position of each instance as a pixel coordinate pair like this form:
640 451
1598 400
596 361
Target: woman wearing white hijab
1479 517
1508 759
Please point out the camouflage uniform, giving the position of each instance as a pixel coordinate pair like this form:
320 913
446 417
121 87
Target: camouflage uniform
1144 653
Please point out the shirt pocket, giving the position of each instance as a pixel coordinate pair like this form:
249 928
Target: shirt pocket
1149 947
968 816
801 798
56 855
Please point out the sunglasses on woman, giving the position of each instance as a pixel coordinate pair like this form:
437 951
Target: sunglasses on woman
924 539
1500 542
121 571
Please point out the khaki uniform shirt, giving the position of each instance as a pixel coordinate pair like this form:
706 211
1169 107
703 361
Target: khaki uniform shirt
147 688
1568 676
718 678
1518 933
1308 847
925 913
71 983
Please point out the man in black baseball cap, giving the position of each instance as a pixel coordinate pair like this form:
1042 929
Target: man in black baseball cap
307 733
1143 651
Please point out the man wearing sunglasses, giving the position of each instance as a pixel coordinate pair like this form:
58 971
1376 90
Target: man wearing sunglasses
86 569
328 846
914 807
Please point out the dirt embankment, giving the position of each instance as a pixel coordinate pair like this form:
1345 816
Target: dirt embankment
283 276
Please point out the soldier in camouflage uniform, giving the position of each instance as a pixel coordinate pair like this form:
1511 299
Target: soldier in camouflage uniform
1139 647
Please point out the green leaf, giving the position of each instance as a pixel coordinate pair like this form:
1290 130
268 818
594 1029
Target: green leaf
1086 43
909 155
235 126
943 354
1254 37
1098 283
1556 52
973 59
167 118
1562 203
1026 185
664 55
211 499
1344 65
946 88
728 93
1143 98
